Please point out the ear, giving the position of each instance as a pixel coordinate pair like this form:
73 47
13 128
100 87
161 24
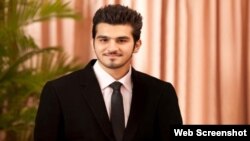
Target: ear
137 46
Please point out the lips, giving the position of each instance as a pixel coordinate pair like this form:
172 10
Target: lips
112 54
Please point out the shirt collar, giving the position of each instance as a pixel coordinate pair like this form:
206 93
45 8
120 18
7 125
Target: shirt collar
106 79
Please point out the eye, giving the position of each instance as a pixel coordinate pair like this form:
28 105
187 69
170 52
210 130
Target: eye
122 40
103 40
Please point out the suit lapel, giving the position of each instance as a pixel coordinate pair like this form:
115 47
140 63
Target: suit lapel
93 96
137 106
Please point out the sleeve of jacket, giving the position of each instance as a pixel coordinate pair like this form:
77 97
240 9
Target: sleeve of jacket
48 125
168 111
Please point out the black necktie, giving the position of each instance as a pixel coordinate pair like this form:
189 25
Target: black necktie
117 111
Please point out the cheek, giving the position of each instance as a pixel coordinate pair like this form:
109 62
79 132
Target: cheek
98 49
129 51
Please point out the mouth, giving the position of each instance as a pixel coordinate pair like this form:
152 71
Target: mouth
112 55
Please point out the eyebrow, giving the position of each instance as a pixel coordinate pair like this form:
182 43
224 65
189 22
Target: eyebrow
120 37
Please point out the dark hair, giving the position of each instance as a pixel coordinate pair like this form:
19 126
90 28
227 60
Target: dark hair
118 14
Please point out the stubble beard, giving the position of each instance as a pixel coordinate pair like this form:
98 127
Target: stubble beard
112 64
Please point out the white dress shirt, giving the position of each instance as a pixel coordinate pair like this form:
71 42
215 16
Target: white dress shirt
105 80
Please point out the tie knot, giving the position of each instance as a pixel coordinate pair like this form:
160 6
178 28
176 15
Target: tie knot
116 85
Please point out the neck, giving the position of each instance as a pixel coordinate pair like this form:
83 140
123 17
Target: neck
117 73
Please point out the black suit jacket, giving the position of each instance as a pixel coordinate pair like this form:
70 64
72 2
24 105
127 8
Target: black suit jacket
72 108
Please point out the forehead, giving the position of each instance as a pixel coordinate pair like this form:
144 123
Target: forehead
109 30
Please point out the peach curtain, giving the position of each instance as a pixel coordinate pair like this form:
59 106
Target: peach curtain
201 46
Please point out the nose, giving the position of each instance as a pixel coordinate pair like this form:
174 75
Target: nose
112 46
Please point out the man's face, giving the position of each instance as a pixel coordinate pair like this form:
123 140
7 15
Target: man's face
114 45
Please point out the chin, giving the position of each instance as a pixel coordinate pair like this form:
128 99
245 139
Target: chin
114 66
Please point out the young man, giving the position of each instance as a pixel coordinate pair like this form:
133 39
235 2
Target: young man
85 106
